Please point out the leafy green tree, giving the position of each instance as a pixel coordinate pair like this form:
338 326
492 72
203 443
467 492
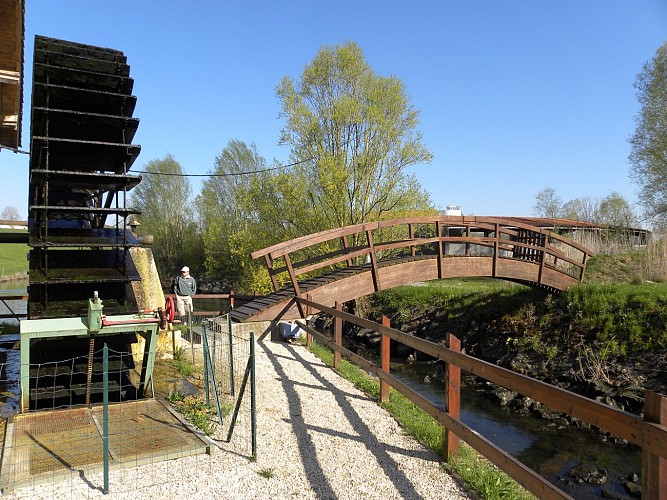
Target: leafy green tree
163 196
616 211
648 157
352 134
229 222
548 204
613 209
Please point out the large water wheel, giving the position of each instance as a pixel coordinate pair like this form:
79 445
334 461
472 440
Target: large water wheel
81 150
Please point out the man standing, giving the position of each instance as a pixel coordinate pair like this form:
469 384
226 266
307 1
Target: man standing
185 287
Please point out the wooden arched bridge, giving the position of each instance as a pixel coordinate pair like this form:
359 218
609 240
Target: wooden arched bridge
346 263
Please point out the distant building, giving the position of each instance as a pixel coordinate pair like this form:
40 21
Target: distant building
451 210
14 224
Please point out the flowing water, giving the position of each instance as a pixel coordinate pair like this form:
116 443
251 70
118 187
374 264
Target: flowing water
545 447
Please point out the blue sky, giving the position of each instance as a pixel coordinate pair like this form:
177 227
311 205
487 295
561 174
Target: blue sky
513 96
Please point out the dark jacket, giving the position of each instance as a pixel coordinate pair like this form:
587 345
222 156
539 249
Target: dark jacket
184 286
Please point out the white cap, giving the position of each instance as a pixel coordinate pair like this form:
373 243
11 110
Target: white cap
185 269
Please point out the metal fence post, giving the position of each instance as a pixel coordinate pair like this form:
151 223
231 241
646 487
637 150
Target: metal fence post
105 416
207 388
253 403
232 389
188 327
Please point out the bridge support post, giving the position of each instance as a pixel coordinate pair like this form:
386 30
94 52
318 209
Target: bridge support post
338 335
385 361
654 467
452 399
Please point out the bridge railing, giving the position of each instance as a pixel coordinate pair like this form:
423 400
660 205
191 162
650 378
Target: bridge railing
439 236
650 433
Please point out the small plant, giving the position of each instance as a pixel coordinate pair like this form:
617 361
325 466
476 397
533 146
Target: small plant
175 397
267 473
195 411
179 354
551 352
186 368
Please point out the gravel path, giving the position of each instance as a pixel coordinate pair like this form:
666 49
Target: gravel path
318 437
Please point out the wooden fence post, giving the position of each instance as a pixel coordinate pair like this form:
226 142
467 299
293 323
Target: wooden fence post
654 467
452 399
384 357
338 335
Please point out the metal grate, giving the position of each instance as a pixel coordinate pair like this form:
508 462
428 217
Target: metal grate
48 446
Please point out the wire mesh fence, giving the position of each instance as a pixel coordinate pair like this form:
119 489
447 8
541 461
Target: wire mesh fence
186 414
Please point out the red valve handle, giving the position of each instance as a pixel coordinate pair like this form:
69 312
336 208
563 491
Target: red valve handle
169 310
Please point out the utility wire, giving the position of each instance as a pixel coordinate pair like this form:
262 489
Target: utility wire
230 174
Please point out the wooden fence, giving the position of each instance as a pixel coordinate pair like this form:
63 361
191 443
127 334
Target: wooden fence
650 433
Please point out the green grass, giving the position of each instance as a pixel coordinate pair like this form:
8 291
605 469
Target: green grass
13 258
267 473
476 471
184 367
618 319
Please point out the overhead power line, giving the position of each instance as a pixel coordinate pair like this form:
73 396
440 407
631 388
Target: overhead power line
230 174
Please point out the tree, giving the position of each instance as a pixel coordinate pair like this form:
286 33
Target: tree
10 213
616 211
548 204
585 209
648 156
613 210
230 228
352 135
163 196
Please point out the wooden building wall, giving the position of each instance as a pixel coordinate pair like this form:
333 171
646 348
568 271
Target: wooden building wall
11 71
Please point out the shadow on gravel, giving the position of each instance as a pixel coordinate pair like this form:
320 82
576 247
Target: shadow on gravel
316 475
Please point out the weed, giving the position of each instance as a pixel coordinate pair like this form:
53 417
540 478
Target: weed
175 397
195 411
186 368
551 352
267 473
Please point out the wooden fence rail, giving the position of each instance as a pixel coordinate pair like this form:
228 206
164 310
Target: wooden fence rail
650 433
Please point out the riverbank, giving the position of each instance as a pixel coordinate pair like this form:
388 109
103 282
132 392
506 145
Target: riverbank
18 276
604 342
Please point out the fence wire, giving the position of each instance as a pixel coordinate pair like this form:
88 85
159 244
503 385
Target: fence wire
161 430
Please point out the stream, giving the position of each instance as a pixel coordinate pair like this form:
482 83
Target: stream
551 450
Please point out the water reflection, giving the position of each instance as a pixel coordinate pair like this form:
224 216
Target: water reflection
549 449
13 287
10 367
